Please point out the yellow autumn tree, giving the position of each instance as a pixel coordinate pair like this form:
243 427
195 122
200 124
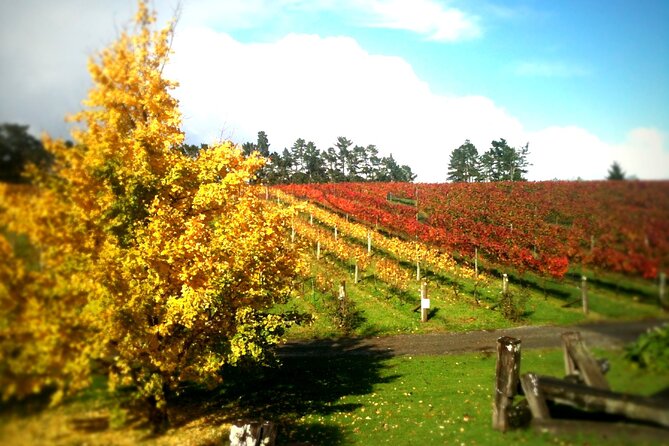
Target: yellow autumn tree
154 264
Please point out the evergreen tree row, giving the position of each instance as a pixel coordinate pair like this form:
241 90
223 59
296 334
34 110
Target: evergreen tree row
500 162
345 162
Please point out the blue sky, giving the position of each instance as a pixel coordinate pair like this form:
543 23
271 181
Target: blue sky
584 82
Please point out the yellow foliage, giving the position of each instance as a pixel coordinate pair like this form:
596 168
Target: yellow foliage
153 263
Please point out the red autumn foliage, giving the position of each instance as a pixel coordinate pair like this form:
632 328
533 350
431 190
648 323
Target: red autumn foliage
542 227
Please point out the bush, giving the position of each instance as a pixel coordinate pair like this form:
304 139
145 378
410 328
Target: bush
651 349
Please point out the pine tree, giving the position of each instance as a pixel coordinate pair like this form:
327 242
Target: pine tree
615 172
464 163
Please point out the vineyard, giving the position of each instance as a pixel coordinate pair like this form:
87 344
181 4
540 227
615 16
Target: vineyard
542 227
466 241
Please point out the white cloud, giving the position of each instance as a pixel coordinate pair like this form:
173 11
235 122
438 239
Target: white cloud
320 88
572 152
427 17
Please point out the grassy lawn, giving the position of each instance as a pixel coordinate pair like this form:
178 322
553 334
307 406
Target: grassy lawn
346 400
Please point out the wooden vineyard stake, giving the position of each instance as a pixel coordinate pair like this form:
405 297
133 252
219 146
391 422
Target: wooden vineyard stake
584 294
292 232
355 278
663 291
318 250
311 219
343 301
476 261
369 242
505 284
424 302
336 233
266 193
506 381
417 262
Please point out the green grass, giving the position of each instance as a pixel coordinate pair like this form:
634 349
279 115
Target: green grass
341 400
457 304
426 399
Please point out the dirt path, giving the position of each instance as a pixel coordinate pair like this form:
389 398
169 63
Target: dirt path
604 334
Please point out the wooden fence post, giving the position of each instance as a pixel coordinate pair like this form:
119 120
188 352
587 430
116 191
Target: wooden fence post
424 302
584 293
418 270
507 373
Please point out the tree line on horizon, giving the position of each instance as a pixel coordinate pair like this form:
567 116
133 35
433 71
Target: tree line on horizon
500 162
303 162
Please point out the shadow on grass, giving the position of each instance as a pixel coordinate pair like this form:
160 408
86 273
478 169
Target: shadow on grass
310 383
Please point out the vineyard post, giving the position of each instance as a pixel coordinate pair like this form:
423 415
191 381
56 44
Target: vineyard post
416 203
292 232
342 301
355 279
336 235
584 293
476 261
318 250
342 290
417 261
369 242
424 302
311 219
266 193
505 284
663 291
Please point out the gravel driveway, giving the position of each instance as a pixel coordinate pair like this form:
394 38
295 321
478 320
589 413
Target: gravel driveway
603 334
